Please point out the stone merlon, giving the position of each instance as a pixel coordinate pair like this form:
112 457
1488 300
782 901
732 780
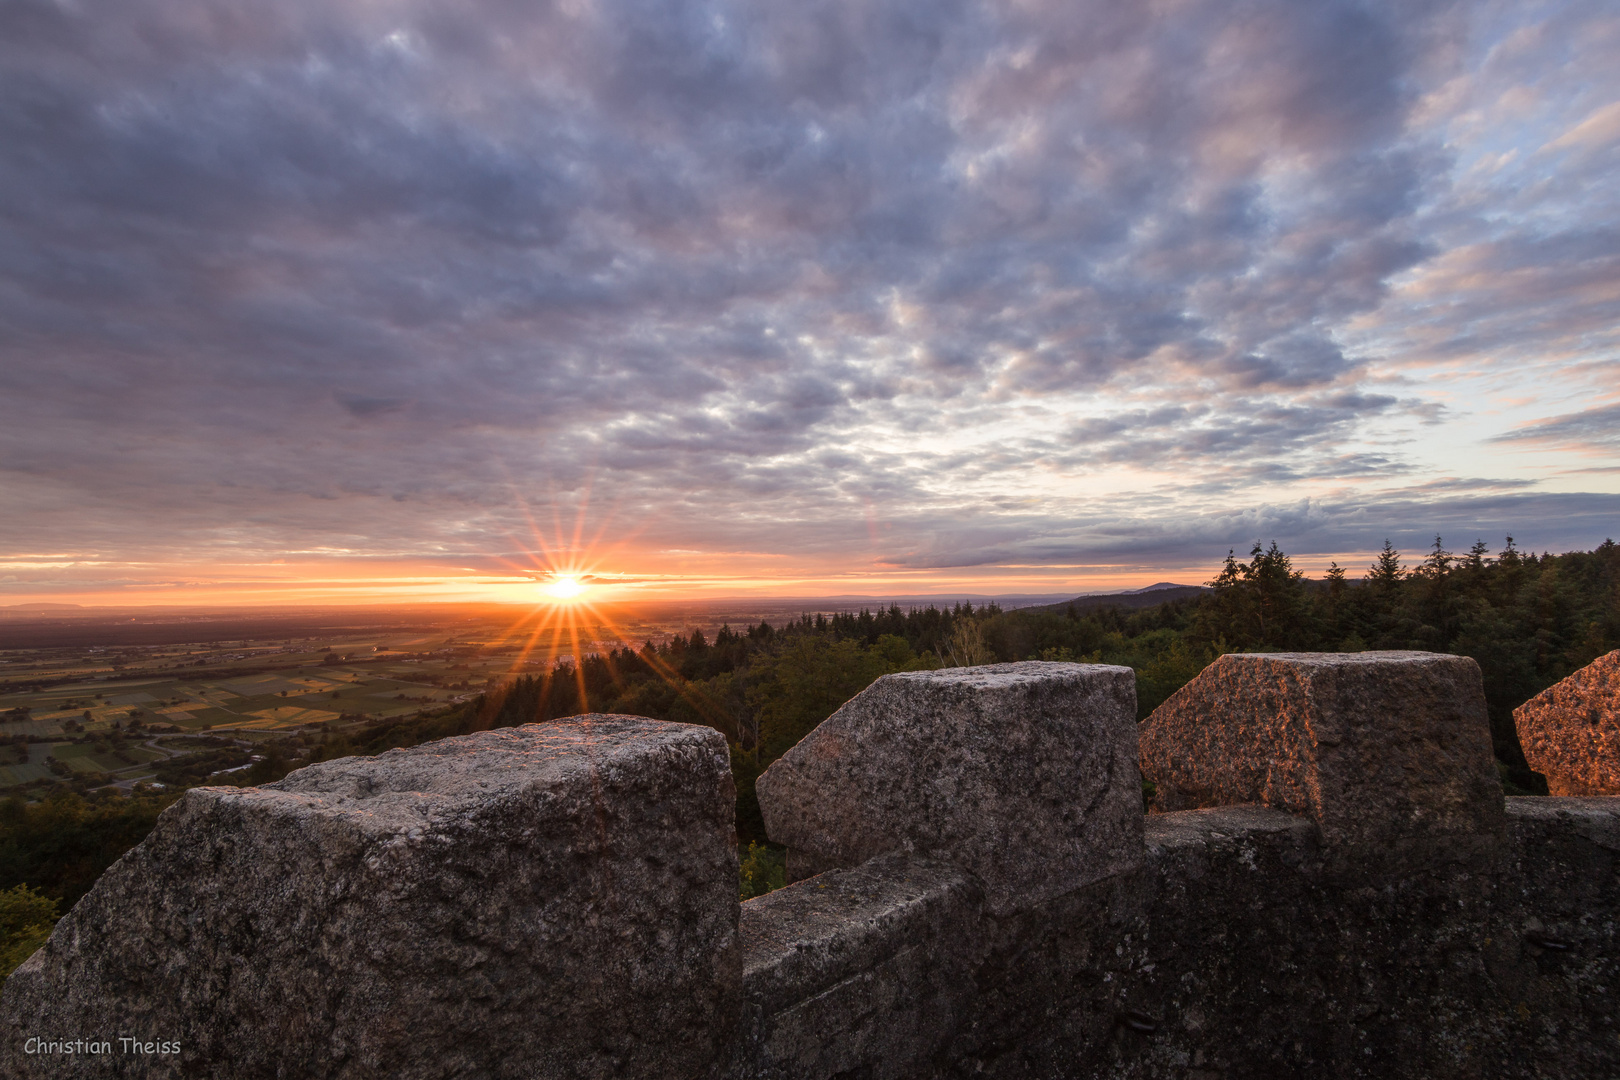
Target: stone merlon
559 900
1023 774
1375 747
556 899
1571 732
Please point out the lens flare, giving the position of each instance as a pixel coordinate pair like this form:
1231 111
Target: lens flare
575 623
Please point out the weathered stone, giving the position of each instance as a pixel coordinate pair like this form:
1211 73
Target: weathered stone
859 972
1571 731
1374 746
1265 954
1023 774
816 933
553 900
1243 948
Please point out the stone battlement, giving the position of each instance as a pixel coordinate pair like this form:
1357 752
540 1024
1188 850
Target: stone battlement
978 894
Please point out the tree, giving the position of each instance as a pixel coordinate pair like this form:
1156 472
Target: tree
1385 572
60 845
966 647
1435 605
1224 611
1279 602
1257 604
1438 562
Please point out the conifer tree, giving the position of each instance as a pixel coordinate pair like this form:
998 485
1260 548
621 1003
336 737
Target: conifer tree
1278 601
1386 571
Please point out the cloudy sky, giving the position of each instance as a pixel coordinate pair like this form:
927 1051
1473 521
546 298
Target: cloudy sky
397 298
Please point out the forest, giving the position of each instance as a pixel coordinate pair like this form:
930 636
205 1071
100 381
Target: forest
1530 620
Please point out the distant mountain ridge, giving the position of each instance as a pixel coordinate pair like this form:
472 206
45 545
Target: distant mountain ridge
23 611
1161 592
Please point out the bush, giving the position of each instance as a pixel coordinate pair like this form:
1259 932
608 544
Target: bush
763 869
26 920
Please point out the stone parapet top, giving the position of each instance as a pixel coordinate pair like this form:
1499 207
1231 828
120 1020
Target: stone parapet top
434 783
1018 673
1201 826
1596 817
1570 731
817 932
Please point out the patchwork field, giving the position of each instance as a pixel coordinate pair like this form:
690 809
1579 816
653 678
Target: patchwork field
111 727
89 701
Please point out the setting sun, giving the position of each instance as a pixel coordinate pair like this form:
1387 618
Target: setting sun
564 587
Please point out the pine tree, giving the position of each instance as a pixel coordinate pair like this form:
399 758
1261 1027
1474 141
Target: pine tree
1386 571
1438 562
1224 613
1436 608
1336 606
1279 601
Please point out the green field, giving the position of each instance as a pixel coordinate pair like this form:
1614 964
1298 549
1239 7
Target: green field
258 693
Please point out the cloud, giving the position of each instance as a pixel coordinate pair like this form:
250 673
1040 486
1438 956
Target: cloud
1599 129
1411 518
1593 430
387 279
361 406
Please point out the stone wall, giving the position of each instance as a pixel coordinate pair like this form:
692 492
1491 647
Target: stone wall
1240 949
560 900
1402 921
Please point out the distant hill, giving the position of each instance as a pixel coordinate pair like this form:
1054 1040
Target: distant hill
16 610
1159 593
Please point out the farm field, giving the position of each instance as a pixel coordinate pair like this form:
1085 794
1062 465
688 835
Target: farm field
107 702
71 714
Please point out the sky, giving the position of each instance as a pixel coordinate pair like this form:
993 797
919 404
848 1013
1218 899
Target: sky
343 300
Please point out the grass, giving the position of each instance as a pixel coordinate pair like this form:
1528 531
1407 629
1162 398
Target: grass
22 774
84 757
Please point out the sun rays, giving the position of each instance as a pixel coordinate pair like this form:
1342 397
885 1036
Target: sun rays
576 629
567 621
